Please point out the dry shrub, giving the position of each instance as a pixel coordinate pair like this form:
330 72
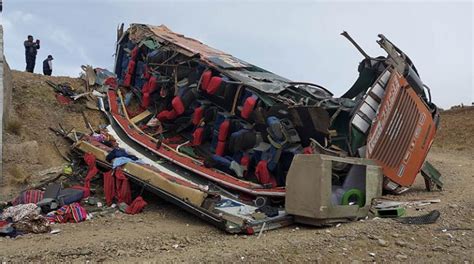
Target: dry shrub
14 126
18 176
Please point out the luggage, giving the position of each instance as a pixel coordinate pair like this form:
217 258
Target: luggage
70 195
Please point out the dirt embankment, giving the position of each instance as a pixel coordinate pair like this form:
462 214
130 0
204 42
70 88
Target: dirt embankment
456 130
28 142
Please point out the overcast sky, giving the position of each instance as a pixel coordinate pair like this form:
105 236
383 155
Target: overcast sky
298 40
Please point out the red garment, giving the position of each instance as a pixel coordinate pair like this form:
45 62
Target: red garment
136 206
63 99
109 187
90 161
122 191
73 213
29 196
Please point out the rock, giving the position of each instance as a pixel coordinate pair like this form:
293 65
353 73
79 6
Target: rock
401 243
164 247
438 248
371 254
372 237
395 235
382 243
401 257
85 252
453 206
411 245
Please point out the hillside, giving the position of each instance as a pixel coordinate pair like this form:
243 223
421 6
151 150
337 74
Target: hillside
28 141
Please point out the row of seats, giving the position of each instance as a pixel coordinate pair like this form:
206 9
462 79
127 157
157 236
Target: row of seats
232 145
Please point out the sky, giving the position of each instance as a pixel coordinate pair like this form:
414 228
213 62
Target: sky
299 40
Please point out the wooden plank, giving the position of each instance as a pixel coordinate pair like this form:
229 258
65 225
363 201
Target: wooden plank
141 116
191 195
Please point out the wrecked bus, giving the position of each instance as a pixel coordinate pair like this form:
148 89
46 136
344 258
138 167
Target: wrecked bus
214 126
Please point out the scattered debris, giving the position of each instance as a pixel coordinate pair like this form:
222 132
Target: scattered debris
429 218
382 243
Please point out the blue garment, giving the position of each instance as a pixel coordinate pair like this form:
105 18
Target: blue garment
117 162
118 152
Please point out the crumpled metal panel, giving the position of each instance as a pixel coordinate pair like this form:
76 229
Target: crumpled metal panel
229 65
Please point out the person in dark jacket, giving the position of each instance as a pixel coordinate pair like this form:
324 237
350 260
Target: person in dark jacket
31 49
48 65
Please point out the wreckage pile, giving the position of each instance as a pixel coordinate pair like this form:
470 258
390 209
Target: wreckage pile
243 148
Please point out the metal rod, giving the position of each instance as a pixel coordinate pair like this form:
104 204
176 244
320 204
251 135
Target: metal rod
346 35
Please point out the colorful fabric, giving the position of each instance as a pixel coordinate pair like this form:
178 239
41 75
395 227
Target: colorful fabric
136 206
73 213
18 212
89 158
29 196
122 186
109 187
33 224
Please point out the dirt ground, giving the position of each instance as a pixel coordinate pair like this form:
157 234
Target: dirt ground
164 233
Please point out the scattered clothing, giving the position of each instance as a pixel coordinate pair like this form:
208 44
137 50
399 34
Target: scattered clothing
118 152
90 161
7 229
63 99
122 191
109 187
117 162
33 224
20 211
70 195
99 137
136 206
29 196
73 213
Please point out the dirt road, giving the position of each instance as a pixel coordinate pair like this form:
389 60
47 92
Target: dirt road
163 233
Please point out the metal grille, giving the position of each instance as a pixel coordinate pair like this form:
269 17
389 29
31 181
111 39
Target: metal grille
398 132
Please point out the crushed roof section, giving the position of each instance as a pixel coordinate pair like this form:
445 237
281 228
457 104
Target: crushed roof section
229 65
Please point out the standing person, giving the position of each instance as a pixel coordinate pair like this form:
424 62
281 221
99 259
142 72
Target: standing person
31 49
48 65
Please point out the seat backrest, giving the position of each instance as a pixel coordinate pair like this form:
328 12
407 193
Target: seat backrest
205 79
